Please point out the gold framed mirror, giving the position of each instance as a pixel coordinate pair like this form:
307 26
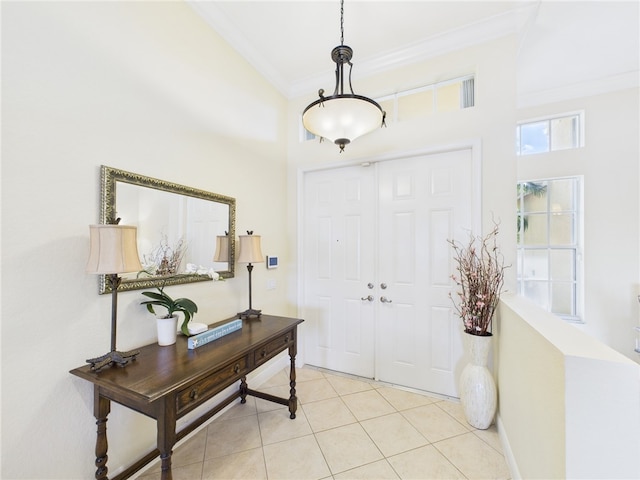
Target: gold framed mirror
177 228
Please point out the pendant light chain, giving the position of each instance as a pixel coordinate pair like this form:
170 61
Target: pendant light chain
341 22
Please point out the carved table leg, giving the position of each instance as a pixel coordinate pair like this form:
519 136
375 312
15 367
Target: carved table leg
293 400
243 390
101 409
166 436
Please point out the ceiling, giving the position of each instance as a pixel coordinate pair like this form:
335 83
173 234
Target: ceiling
565 48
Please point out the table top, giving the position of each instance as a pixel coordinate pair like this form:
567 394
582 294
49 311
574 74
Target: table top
158 370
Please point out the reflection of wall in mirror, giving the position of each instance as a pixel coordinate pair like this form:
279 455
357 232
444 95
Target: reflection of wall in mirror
206 221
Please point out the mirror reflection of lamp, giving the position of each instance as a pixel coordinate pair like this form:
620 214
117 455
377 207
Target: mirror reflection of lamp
222 248
250 253
113 250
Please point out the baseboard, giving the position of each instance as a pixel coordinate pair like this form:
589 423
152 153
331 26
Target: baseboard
506 449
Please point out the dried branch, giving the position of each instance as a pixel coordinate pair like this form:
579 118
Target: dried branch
480 267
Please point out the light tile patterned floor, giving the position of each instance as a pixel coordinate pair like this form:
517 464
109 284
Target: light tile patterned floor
346 428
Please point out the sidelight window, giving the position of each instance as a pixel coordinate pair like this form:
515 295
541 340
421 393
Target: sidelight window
549 248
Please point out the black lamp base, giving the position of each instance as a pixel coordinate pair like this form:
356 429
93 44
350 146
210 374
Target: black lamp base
120 359
250 312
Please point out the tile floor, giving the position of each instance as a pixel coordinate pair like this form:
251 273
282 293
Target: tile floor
346 428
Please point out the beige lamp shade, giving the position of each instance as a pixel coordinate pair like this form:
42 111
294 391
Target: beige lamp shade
222 249
114 249
250 249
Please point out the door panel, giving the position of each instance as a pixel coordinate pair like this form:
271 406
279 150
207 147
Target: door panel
423 201
338 253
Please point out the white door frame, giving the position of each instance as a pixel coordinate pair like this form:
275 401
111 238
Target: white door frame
475 145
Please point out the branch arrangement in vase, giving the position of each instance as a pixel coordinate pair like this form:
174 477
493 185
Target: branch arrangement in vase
480 279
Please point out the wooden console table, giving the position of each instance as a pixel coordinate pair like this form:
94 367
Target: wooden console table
166 383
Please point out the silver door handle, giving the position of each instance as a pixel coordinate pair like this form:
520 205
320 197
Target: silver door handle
369 298
385 300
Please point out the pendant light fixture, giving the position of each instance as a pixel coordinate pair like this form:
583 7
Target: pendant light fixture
342 117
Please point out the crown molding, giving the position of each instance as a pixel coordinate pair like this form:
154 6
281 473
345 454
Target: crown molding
492 28
588 88
489 29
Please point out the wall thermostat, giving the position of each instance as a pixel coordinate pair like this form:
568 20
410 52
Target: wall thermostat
272 262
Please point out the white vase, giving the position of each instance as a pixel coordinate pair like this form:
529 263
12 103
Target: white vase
478 393
167 330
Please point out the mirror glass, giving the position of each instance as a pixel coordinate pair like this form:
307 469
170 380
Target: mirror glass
177 228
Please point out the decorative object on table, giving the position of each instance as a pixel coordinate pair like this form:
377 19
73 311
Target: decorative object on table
250 253
113 250
167 324
213 334
480 279
342 117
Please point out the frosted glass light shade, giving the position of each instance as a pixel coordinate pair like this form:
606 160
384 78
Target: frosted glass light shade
222 249
250 251
114 249
342 118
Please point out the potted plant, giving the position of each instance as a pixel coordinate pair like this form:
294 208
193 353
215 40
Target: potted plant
167 323
480 279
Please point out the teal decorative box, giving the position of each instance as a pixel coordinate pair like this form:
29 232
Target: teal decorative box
213 334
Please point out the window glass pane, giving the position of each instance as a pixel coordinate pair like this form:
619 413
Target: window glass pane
562 264
448 97
415 105
564 133
537 292
534 229
532 197
535 265
562 194
562 229
562 298
534 137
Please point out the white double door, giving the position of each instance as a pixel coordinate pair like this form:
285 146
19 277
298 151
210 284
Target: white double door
377 268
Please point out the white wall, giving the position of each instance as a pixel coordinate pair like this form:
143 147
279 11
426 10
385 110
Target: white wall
610 167
149 88
568 403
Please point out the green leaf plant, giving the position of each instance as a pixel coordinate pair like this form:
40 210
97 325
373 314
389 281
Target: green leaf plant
161 299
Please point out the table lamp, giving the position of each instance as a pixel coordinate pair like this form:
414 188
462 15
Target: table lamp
250 253
114 250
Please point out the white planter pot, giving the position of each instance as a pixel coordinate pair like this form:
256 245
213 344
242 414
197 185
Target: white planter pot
167 330
478 393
